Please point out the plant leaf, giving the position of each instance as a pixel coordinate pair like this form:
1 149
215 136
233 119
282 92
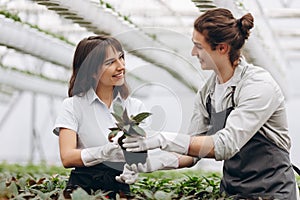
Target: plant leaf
80 194
118 109
148 193
125 117
112 134
41 180
12 189
99 194
114 128
120 125
31 182
139 130
118 118
141 116
131 131
161 195
126 128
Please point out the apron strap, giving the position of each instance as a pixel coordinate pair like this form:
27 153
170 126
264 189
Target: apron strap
232 97
296 169
208 102
208 106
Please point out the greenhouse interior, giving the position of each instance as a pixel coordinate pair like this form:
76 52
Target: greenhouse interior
38 40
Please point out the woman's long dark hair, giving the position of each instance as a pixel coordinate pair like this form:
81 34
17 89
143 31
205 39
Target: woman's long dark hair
88 59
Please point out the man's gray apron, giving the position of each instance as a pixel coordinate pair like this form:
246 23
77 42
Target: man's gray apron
259 169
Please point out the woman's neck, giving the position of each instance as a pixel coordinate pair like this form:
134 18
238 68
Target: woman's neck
105 94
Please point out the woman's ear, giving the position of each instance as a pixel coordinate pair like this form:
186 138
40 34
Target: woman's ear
223 48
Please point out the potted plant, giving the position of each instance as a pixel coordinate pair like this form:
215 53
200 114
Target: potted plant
129 126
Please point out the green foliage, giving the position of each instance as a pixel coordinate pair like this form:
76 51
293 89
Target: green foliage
188 185
129 125
298 182
32 169
31 181
109 6
10 15
60 37
38 75
48 182
80 194
16 18
38 182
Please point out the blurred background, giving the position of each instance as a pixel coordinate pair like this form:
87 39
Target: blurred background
38 39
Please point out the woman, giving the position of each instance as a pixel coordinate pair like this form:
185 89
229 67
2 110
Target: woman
98 80
239 115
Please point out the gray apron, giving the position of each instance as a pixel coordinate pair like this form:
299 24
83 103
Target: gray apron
259 169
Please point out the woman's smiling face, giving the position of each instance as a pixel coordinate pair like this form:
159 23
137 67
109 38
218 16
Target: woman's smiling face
113 69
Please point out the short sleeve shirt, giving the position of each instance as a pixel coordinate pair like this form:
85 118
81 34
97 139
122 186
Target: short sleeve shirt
91 119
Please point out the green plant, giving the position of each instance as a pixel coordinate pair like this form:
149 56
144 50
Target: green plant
188 186
128 125
47 182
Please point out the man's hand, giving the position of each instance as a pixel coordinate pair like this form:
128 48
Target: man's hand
128 176
157 160
165 140
139 143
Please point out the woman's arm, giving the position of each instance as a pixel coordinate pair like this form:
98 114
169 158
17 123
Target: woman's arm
73 157
69 154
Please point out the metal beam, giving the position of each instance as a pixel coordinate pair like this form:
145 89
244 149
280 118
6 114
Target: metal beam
28 40
294 56
290 47
100 19
282 13
22 81
288 33
10 108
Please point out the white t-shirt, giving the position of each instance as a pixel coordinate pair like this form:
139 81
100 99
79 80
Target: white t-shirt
220 90
91 119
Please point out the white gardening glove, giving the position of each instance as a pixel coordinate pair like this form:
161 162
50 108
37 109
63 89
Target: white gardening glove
172 142
157 160
95 155
128 176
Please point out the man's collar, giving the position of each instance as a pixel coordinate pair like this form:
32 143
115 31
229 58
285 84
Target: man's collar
237 75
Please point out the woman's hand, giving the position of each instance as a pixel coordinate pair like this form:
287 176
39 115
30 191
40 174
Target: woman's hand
95 155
